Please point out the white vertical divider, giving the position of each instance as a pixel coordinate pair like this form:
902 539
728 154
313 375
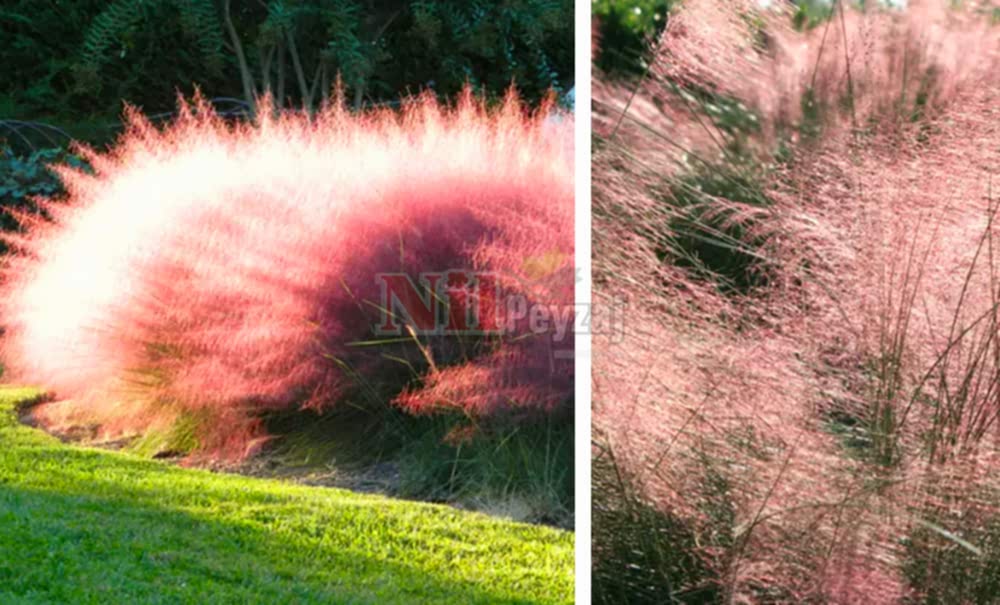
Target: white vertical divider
582 346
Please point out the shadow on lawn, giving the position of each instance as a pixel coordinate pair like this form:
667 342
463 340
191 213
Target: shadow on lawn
87 526
79 549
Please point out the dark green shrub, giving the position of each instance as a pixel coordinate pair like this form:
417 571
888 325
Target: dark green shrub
709 241
41 41
22 178
627 30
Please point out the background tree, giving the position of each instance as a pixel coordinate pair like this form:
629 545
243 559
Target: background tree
627 29
74 63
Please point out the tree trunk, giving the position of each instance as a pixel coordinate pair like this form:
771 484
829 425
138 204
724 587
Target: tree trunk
249 92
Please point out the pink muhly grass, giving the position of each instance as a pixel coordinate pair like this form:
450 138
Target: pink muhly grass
881 310
217 271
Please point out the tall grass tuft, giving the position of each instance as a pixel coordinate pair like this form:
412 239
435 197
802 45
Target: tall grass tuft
826 431
208 272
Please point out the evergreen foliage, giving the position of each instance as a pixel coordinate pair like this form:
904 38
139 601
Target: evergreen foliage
70 64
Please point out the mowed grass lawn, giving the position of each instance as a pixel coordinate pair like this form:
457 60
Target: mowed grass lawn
82 525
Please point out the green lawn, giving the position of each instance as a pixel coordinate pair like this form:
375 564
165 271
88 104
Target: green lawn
82 525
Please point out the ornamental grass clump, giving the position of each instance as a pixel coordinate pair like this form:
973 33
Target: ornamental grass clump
207 273
826 431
